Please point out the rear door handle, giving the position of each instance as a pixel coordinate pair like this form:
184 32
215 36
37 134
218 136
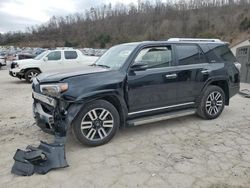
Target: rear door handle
205 71
171 76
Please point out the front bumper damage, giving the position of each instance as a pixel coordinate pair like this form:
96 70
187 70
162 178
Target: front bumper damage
43 112
46 156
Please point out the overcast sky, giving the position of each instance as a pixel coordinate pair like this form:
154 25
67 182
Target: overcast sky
16 15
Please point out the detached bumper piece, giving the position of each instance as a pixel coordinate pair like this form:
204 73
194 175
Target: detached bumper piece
40 159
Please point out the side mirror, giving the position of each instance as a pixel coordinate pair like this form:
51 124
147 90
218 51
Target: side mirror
45 59
140 66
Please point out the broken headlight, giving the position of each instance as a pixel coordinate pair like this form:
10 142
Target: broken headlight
54 90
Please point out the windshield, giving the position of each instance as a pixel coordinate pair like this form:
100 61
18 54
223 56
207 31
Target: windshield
116 56
40 56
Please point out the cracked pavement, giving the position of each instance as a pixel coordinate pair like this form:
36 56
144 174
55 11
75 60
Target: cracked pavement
182 152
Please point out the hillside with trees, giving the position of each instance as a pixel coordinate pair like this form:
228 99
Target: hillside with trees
107 25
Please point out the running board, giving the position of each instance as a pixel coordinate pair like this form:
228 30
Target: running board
161 117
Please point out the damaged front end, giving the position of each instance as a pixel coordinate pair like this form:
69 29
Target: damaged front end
54 116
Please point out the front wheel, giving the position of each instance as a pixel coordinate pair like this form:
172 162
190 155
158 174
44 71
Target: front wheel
212 103
96 124
31 74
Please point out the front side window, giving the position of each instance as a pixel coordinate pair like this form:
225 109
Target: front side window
53 56
70 54
155 57
189 54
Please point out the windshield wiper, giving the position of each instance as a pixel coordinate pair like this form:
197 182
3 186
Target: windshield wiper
99 65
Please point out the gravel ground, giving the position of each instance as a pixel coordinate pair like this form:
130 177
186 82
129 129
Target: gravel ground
183 152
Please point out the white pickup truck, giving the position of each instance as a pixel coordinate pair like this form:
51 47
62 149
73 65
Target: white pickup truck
50 60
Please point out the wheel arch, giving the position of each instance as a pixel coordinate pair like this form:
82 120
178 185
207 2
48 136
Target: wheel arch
223 84
220 82
112 98
116 102
30 68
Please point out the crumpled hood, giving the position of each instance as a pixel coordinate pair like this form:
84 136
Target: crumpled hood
56 76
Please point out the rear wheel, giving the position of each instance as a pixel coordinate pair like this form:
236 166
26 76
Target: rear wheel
212 103
31 74
96 124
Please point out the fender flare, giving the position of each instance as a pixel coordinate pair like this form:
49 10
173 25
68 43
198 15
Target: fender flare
208 82
24 70
76 106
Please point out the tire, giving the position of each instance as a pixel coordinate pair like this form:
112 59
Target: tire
212 103
96 123
30 74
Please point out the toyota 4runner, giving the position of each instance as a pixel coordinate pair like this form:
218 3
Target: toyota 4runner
137 83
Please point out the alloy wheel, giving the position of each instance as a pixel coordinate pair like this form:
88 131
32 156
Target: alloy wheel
97 124
214 103
32 75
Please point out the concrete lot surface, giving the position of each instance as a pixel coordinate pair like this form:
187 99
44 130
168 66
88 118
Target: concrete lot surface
183 152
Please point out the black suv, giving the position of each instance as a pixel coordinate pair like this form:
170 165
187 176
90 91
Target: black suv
137 83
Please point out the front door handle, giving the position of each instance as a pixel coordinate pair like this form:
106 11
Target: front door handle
205 71
171 76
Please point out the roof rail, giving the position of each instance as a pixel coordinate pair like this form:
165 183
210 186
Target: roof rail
193 40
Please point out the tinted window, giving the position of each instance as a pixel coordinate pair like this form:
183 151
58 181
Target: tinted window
54 55
70 54
155 57
189 54
224 54
218 53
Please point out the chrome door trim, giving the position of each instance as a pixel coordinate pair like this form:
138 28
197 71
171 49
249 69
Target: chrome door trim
160 108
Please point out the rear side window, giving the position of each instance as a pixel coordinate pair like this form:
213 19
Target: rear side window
224 54
217 53
70 54
56 55
189 54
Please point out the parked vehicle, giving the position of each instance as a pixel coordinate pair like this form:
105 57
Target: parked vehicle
137 83
2 60
57 60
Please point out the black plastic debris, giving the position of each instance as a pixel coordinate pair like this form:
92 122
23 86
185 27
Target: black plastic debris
40 159
46 156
